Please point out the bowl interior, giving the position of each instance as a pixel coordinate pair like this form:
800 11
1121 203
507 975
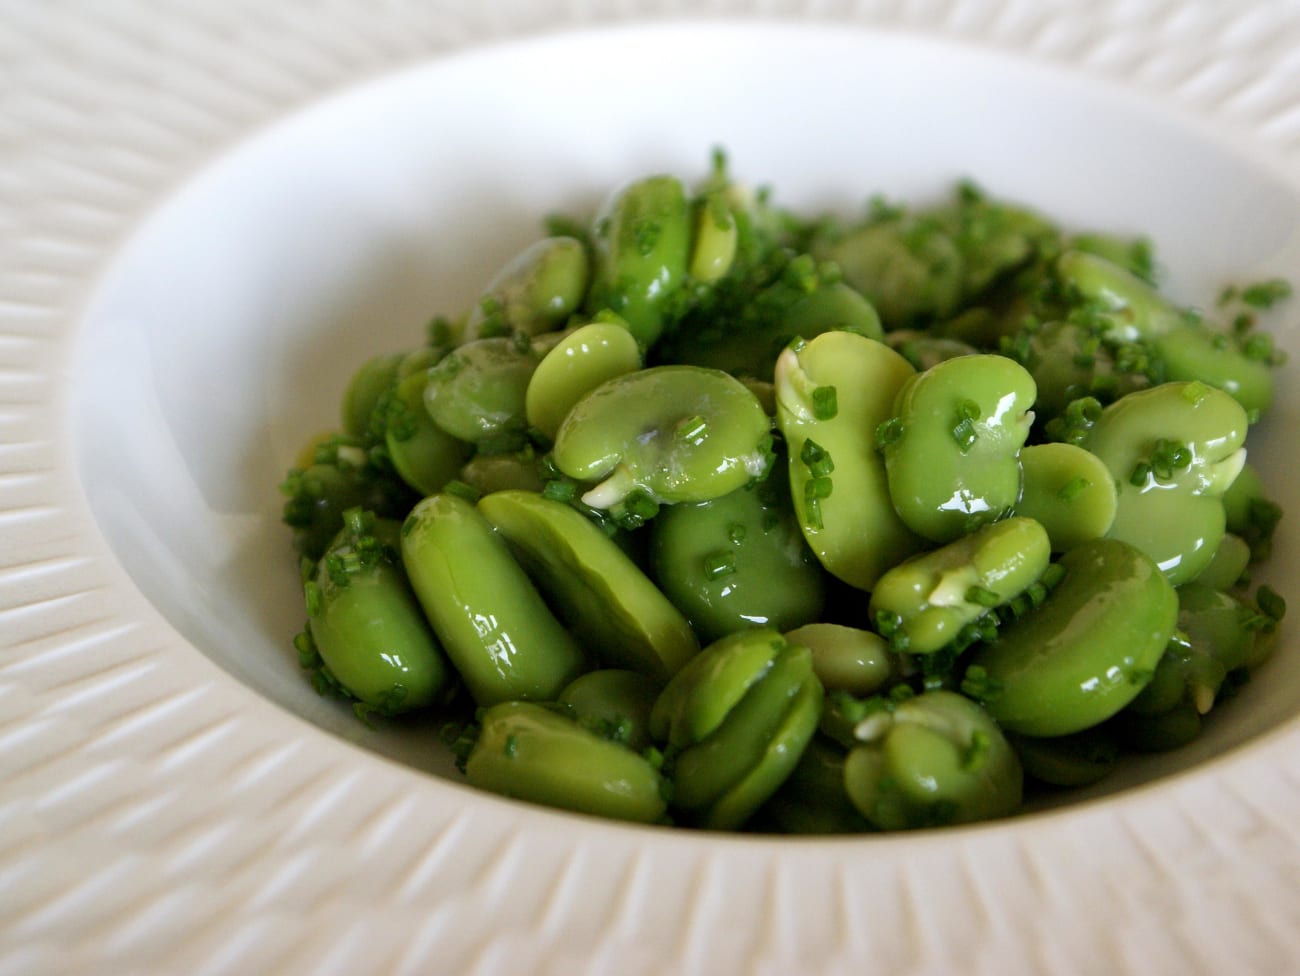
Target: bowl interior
225 333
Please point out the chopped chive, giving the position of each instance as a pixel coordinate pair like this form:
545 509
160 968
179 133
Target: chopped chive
1052 575
963 432
817 459
692 428
1270 602
462 490
816 489
982 596
719 564
824 403
1266 294
813 515
560 491
313 597
976 752
889 431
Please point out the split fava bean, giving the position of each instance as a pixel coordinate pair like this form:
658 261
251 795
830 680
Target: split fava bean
676 433
837 478
527 751
760 702
493 623
925 601
613 607
952 447
1087 651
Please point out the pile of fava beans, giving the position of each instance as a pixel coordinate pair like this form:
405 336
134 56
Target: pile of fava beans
714 515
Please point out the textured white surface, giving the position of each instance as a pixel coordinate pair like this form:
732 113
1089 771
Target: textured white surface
156 816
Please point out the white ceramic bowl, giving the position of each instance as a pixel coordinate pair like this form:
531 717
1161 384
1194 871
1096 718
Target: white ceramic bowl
220 336
224 335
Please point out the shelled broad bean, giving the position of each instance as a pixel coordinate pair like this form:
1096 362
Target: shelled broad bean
715 515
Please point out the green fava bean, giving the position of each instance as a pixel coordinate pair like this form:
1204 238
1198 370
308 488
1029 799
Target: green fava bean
478 391
613 703
1221 626
1069 491
643 244
607 601
1193 351
923 349
535 292
783 312
318 495
812 800
1250 514
779 757
952 449
993 238
1069 760
487 473
716 239
737 561
1068 360
580 362
721 779
527 751
832 392
934 759
923 603
1143 313
1229 565
907 267
1087 651
364 390
492 622
368 627
1159 733
1173 450
847 659
704 691
1187 674
1134 255
424 454
421 360
676 433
